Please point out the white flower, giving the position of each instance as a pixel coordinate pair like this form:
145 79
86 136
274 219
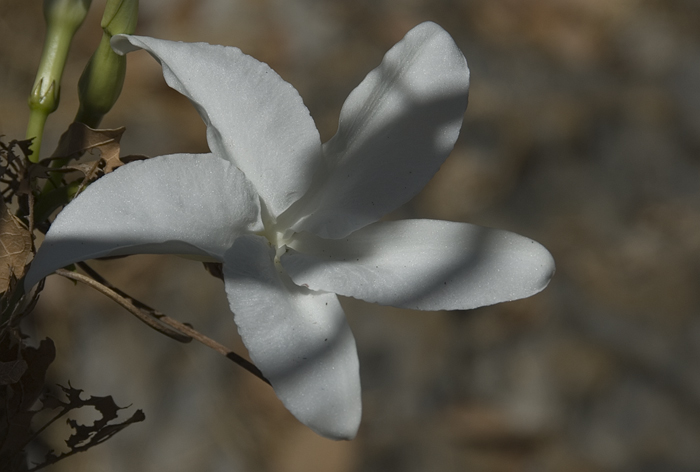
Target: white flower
295 222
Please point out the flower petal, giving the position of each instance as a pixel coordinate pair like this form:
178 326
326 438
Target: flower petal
177 204
253 117
299 340
396 129
422 264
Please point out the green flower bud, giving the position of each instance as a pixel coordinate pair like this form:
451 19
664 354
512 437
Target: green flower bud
66 13
103 77
120 17
63 18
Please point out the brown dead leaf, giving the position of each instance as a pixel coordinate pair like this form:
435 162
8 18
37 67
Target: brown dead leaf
79 139
23 381
86 436
15 247
13 167
89 170
11 372
133 157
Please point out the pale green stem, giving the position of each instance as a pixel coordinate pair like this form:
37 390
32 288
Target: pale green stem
63 17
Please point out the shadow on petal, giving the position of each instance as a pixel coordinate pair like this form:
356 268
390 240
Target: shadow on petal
392 138
299 339
422 264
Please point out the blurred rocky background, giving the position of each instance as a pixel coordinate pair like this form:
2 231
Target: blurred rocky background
583 133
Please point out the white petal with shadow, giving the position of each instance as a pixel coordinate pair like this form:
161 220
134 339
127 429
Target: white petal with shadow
299 339
422 264
395 131
253 117
179 204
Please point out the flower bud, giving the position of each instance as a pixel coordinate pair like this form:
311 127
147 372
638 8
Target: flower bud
103 77
63 18
66 13
120 17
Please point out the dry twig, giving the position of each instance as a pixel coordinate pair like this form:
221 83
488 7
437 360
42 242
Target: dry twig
155 319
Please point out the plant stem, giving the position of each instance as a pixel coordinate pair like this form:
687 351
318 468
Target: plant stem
152 317
63 18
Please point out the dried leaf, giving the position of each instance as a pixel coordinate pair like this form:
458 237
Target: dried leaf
216 269
11 372
7 150
79 139
133 157
88 169
15 247
13 167
24 146
87 436
18 397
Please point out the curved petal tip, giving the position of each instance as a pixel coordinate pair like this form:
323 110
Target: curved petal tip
299 339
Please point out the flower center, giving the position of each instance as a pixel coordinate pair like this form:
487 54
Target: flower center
277 238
